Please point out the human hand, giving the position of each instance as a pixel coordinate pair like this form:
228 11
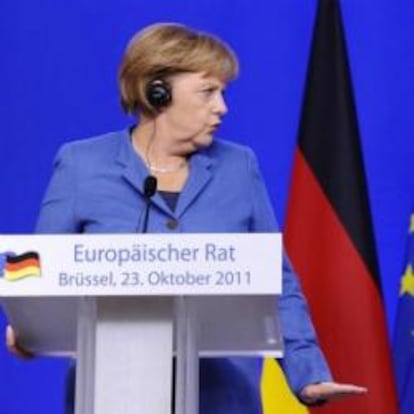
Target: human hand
14 347
328 391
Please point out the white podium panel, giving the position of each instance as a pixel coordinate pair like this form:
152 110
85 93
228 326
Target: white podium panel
123 305
227 325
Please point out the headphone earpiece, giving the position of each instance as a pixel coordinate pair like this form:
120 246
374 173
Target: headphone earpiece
158 93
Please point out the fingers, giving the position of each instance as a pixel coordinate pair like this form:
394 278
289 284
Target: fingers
14 347
327 391
345 389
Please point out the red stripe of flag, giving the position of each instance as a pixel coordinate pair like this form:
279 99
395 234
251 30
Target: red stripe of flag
22 264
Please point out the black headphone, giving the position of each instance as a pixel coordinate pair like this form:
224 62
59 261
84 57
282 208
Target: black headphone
158 93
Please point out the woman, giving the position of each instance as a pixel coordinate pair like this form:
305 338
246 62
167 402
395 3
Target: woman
173 78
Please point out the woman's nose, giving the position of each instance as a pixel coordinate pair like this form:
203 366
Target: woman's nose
220 106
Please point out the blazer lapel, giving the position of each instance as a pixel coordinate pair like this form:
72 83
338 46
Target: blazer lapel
200 175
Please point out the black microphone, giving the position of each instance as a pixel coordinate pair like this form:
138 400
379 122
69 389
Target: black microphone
150 188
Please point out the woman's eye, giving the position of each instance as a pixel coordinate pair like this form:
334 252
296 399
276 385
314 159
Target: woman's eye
208 91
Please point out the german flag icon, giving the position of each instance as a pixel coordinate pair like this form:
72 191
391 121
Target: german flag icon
16 267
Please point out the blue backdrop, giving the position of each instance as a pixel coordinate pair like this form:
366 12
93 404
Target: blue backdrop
58 82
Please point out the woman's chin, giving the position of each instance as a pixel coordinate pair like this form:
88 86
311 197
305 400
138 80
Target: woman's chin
204 141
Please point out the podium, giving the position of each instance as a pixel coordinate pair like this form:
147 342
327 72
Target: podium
125 305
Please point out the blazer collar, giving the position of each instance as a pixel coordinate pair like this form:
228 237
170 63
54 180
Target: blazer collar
135 171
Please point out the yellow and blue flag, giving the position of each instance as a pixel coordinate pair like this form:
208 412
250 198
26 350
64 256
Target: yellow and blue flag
404 332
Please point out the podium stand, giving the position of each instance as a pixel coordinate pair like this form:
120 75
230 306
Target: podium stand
124 305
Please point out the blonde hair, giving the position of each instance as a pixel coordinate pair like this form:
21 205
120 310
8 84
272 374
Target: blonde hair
165 49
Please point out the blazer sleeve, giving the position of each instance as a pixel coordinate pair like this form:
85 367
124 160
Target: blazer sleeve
57 211
303 362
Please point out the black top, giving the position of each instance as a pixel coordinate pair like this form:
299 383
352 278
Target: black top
171 198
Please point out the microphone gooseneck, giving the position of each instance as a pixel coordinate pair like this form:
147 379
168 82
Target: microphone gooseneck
150 188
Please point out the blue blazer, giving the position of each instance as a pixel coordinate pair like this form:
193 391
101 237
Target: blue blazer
96 187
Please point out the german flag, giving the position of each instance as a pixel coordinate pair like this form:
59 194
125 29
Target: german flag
329 232
20 266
